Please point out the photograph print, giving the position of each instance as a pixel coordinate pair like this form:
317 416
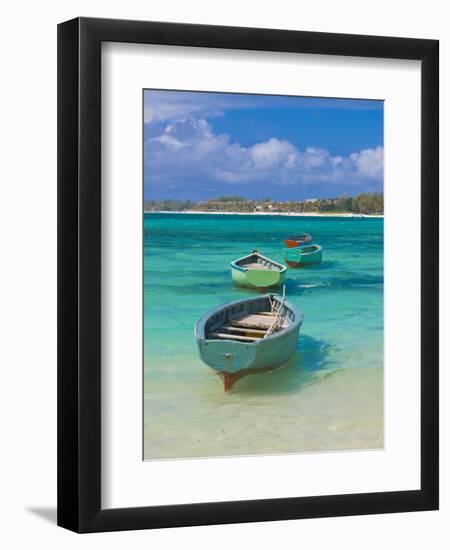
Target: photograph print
262 274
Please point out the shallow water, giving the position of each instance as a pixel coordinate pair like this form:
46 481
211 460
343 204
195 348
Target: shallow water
327 397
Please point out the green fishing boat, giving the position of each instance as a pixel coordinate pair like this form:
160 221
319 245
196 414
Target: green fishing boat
248 336
302 256
257 271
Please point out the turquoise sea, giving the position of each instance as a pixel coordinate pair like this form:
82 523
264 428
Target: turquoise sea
330 394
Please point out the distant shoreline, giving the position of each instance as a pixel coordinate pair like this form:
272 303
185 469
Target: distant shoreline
293 214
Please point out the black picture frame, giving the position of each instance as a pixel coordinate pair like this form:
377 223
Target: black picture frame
79 274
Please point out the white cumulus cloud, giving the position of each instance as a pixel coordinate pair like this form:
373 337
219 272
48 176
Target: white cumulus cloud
189 146
369 162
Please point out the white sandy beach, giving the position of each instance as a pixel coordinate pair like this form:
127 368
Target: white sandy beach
296 214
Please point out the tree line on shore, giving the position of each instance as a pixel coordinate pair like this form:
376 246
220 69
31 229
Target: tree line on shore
364 203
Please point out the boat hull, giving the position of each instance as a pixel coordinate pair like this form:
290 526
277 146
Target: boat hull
230 357
258 272
233 359
294 242
260 279
296 257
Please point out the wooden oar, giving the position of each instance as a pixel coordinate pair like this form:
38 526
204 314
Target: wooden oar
277 319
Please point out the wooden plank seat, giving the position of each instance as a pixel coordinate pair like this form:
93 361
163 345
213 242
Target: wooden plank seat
255 265
227 336
253 321
241 329
257 324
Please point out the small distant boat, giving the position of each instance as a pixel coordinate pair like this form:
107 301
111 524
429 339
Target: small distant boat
303 255
298 240
248 336
257 271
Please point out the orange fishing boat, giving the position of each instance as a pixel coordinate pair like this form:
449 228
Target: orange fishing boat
298 240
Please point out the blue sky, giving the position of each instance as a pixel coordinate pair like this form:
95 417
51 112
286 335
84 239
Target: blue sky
200 145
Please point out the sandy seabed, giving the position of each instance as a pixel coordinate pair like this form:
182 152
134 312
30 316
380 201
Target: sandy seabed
337 410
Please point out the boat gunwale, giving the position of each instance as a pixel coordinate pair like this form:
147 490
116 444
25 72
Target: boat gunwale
318 248
200 333
234 265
